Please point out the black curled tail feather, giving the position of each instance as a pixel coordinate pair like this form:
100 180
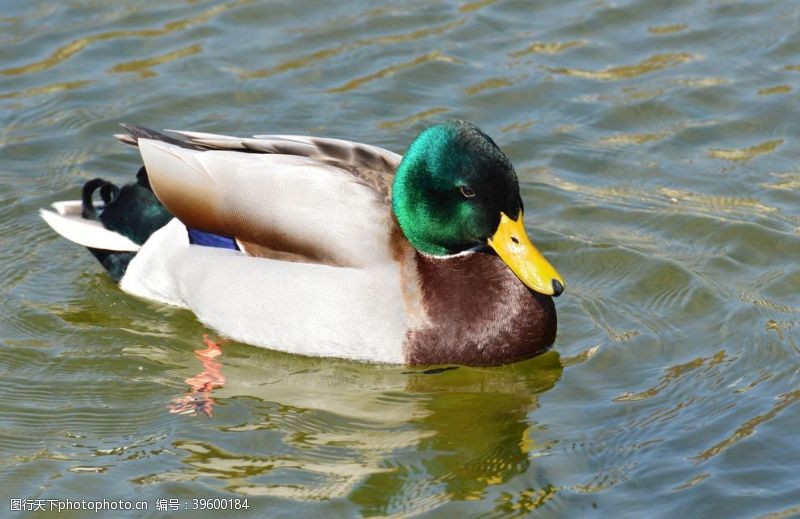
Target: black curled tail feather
108 193
131 210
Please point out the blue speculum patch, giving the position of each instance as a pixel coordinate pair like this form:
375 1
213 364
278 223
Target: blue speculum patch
208 239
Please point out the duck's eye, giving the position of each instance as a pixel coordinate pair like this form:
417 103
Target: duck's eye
467 192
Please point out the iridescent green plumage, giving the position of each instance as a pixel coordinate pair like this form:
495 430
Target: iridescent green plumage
433 212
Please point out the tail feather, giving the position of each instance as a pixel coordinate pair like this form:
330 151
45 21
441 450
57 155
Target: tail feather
113 230
131 210
115 227
89 233
108 192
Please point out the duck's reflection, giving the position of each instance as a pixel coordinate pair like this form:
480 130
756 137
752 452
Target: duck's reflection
476 433
198 399
387 440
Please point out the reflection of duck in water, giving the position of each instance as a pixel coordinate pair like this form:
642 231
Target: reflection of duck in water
386 440
330 248
198 399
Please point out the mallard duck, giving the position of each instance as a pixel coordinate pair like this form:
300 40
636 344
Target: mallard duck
327 247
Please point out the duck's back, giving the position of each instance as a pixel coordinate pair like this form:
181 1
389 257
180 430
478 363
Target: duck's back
318 200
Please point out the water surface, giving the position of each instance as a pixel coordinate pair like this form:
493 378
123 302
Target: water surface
656 143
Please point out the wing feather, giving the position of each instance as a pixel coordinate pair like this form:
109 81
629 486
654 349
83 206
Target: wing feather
290 203
371 165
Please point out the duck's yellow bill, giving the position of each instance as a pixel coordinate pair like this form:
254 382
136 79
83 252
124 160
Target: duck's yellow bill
512 244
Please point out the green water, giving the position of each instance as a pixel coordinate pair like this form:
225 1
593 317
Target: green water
656 143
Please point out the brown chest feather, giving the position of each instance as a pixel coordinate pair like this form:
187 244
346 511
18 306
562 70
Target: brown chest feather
480 314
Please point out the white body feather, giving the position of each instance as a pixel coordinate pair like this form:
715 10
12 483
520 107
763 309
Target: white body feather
308 309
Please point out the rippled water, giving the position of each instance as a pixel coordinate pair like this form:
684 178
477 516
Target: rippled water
656 143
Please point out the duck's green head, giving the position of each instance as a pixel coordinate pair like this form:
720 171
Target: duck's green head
455 190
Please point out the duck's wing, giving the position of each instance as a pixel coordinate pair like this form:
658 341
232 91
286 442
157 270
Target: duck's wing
290 195
372 165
